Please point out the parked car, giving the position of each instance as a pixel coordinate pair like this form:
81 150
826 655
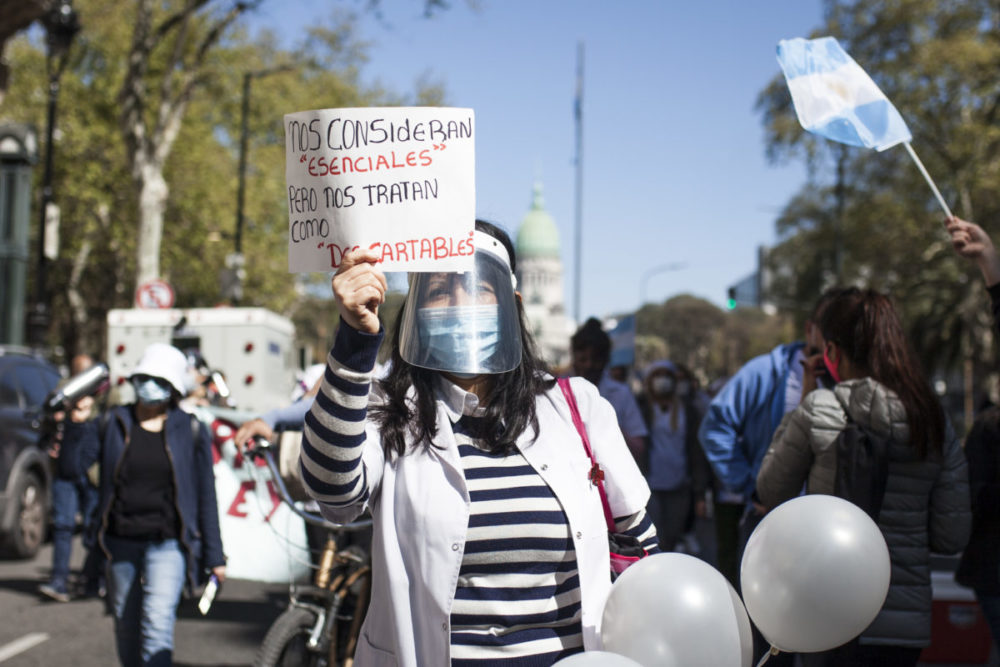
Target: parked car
25 468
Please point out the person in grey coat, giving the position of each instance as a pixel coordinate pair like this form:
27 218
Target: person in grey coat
926 505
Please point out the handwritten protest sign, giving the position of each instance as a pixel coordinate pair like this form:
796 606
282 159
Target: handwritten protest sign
400 180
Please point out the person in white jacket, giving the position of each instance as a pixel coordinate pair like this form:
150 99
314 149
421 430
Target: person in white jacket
490 545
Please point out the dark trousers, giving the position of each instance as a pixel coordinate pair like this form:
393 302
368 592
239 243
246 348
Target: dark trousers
761 646
727 539
69 496
853 654
668 511
990 604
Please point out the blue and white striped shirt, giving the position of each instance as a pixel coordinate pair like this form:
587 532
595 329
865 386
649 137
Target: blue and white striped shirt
518 594
517 600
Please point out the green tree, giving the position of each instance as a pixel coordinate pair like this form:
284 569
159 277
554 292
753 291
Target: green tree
711 342
687 324
97 265
15 16
868 218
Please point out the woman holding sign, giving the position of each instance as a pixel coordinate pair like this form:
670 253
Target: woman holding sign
490 545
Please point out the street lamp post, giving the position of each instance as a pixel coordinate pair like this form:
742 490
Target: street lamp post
235 261
663 268
61 25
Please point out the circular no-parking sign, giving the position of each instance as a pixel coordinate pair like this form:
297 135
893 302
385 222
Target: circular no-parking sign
154 294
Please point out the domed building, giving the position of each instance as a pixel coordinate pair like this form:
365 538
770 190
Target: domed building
540 281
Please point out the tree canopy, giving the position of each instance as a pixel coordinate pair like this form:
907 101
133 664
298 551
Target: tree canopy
96 143
868 218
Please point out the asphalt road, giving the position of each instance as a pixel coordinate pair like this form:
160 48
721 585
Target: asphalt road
37 632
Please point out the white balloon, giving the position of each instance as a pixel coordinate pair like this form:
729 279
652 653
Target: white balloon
675 610
597 659
815 573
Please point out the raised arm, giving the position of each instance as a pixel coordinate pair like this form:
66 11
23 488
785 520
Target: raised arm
973 243
334 439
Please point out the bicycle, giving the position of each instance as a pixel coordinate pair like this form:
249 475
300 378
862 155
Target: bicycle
321 626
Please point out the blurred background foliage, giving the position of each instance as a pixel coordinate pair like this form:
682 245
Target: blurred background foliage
863 217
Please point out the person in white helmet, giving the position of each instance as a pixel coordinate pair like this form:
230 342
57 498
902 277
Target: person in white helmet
159 522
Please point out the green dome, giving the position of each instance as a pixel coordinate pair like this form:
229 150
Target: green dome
538 236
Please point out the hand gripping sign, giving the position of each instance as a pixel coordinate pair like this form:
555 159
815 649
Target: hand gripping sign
400 180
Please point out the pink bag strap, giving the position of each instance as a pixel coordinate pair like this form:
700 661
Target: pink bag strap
596 474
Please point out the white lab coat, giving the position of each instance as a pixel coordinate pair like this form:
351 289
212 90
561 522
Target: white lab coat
420 506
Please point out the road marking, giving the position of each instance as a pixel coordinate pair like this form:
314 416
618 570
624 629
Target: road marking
21 645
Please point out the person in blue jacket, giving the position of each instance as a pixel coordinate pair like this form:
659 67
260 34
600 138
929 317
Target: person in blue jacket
737 428
159 522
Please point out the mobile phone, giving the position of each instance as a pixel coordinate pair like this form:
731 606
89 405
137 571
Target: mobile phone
211 588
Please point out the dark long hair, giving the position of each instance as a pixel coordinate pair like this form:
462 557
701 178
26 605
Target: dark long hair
509 407
865 326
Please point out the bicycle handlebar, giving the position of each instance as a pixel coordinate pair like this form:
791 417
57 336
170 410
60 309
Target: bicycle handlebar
262 450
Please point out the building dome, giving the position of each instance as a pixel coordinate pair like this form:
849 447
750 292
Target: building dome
538 236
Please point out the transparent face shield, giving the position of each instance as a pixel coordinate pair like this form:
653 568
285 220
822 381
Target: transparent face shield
464 323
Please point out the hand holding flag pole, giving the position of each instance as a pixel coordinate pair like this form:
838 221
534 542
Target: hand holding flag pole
835 98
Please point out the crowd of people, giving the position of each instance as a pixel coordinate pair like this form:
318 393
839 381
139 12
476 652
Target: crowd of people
490 543
390 446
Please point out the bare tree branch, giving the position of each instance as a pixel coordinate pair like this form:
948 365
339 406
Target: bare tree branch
215 32
133 92
180 39
168 24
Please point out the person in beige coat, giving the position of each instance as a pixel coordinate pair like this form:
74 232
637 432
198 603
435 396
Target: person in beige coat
926 504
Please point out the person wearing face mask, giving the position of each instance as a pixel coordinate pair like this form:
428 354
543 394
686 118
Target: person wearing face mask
489 540
694 402
590 348
676 473
159 523
879 385
741 420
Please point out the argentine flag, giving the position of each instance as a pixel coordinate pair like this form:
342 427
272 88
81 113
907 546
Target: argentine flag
835 98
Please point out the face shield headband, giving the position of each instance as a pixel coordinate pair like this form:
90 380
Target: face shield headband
464 323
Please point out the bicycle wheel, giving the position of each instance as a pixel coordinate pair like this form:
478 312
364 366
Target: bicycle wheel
285 644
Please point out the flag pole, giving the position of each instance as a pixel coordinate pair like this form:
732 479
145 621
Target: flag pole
578 231
927 177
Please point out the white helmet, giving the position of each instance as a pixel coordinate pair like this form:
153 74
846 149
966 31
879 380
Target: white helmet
166 362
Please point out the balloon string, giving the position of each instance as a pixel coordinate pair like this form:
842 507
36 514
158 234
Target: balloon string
774 651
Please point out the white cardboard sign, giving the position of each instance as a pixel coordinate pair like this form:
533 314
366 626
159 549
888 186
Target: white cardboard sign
400 180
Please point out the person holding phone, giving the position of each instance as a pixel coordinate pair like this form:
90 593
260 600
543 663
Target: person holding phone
743 416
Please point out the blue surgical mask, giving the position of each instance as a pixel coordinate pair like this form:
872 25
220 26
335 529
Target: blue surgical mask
661 385
460 338
151 392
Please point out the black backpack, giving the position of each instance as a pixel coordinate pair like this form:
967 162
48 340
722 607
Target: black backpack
862 467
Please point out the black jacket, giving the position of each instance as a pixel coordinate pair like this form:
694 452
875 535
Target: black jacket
980 564
190 450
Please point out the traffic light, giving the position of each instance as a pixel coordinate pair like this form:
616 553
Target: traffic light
731 301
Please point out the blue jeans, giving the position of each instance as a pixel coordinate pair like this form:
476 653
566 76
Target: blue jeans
145 582
68 497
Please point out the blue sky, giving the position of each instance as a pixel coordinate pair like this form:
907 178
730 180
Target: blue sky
673 153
